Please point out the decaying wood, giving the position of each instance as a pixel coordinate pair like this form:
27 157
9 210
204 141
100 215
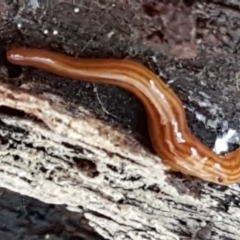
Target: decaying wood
54 149
61 158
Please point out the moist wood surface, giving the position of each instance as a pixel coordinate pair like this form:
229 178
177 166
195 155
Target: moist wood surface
81 151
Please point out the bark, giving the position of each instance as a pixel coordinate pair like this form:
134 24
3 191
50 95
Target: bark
81 145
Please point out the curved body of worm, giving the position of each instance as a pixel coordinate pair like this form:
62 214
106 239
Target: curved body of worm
167 125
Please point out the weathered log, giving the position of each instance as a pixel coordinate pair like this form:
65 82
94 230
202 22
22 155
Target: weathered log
81 145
